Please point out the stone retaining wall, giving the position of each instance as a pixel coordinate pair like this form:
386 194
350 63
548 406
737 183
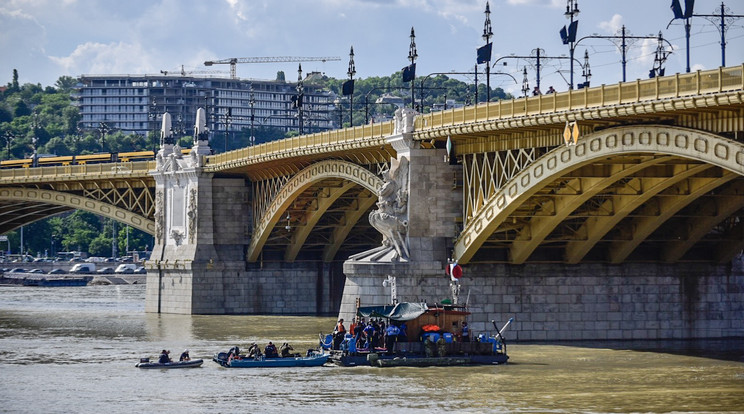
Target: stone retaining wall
579 302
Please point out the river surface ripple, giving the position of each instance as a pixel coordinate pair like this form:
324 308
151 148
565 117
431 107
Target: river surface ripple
73 350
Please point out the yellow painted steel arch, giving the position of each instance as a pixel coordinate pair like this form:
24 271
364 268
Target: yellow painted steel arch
679 142
80 203
294 187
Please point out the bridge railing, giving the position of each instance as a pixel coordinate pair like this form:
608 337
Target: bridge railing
68 172
327 141
677 86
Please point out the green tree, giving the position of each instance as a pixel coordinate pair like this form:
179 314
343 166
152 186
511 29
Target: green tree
14 85
21 109
65 84
80 228
138 240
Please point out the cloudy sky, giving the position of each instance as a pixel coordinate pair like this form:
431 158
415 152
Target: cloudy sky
45 39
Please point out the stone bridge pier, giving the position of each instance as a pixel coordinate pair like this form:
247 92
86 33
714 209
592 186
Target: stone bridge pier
198 264
422 193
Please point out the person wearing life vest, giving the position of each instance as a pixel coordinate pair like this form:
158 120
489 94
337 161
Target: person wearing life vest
185 356
270 351
338 334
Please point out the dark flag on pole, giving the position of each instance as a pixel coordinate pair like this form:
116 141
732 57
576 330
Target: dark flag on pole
572 29
689 4
677 10
484 53
348 87
564 35
409 72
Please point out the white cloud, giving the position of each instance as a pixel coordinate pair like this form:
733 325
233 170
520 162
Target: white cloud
119 58
647 51
613 25
550 3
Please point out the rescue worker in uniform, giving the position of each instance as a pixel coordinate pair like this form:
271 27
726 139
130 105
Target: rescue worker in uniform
338 334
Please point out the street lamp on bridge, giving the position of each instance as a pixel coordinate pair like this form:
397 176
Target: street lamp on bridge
252 102
348 88
568 35
409 72
538 55
484 53
723 15
298 99
623 37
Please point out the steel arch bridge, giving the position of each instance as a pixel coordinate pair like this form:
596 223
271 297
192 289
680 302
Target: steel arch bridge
655 191
656 176
123 192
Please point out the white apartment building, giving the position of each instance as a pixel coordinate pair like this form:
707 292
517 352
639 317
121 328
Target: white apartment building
135 103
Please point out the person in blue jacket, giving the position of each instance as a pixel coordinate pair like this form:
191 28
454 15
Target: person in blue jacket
465 334
391 337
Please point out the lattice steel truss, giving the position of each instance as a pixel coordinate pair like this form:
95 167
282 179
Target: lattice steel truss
136 196
487 172
264 192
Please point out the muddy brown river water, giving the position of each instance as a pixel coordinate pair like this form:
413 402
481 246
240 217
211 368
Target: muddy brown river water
65 350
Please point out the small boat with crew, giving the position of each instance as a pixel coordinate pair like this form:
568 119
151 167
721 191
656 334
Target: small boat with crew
233 359
146 364
414 334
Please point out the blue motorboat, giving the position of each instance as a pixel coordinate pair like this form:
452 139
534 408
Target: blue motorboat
313 360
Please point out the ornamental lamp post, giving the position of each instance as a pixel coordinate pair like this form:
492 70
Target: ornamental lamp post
568 35
351 72
298 101
525 83
252 102
412 56
486 58
586 71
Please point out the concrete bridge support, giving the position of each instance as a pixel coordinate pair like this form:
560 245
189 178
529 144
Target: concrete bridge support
198 263
433 205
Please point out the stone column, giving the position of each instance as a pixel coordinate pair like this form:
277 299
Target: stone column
432 205
201 227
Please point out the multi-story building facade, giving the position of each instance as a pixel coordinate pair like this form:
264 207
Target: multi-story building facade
135 103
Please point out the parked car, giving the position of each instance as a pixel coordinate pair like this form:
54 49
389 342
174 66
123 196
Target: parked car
36 271
56 271
83 268
126 268
140 270
106 271
18 270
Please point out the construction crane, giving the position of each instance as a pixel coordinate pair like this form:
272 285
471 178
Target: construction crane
184 72
234 61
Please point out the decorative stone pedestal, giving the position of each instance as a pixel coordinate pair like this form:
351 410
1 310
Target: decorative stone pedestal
416 213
